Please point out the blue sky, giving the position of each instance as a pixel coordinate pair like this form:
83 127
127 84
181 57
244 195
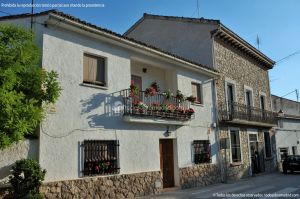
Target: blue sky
277 22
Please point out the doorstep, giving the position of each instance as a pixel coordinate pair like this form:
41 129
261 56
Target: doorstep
170 189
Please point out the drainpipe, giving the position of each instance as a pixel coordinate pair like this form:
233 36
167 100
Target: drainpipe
217 134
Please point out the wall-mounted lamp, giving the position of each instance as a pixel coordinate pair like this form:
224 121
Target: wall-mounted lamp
144 70
167 132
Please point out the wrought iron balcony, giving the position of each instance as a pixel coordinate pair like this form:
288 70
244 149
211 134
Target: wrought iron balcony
241 113
156 106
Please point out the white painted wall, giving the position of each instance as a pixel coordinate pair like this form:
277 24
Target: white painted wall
172 33
288 135
88 113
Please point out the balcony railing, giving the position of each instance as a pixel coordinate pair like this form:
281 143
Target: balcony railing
156 106
234 111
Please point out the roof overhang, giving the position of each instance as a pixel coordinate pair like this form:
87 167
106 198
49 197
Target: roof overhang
234 40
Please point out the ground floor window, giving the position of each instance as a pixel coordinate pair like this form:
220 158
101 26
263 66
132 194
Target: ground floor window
267 144
283 152
235 146
201 151
100 157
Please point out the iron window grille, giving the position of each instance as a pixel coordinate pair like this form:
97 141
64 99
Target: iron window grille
100 157
201 151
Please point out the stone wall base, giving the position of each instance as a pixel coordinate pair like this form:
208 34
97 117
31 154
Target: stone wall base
199 175
120 186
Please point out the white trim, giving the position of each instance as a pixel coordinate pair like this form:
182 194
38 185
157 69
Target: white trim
248 88
201 92
229 136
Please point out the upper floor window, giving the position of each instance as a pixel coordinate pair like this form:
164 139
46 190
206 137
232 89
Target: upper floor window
230 93
235 146
262 102
94 70
196 92
248 98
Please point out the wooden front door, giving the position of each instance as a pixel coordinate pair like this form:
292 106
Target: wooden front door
167 162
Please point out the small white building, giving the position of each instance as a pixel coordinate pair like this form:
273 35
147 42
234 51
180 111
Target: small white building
288 132
102 138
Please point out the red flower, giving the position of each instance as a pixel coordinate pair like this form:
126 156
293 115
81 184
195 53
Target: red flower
97 168
107 163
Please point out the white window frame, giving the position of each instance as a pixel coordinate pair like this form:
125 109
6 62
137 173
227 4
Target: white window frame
233 83
229 136
248 88
201 92
105 69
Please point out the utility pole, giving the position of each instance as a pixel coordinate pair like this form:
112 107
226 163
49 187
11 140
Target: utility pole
297 94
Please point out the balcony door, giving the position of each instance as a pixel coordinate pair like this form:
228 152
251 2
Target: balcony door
230 99
262 106
248 100
137 80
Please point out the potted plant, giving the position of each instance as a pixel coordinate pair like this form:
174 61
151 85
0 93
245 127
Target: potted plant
191 98
155 86
134 90
150 91
167 94
179 96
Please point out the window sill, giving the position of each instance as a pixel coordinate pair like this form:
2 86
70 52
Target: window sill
235 164
94 86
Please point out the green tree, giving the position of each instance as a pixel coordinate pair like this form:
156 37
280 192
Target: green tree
24 86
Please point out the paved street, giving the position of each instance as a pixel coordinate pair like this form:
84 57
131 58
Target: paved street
254 187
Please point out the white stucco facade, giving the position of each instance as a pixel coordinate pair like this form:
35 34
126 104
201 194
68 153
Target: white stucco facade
85 112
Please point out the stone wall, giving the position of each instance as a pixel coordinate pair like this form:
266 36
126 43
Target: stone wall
236 171
119 186
199 175
243 70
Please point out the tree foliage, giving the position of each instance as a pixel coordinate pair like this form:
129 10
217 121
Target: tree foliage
27 177
24 86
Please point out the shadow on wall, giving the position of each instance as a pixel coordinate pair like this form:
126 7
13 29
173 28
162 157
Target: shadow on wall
23 149
106 111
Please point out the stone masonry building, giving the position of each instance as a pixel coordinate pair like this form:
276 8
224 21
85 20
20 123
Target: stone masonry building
246 141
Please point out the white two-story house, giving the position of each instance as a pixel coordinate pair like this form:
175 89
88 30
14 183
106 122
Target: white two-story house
120 127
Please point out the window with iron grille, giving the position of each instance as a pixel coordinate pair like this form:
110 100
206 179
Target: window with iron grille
201 151
101 157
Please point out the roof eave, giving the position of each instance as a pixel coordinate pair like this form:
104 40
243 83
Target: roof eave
226 34
136 45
